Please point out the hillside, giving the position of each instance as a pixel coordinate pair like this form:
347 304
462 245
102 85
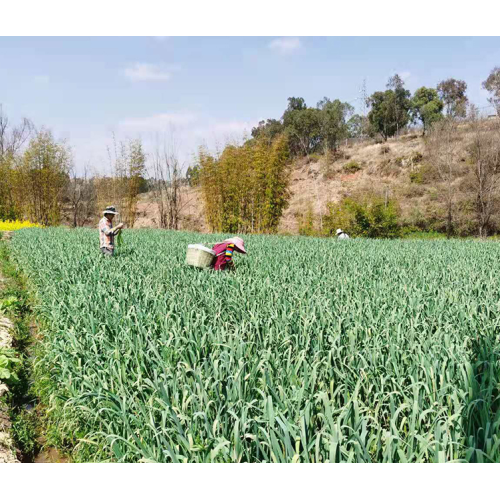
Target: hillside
382 167
399 169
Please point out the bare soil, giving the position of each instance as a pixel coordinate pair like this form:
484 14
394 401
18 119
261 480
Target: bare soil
318 182
7 451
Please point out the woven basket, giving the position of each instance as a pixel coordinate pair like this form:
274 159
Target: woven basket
199 256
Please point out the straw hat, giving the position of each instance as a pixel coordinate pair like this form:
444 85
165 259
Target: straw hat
339 231
110 210
238 243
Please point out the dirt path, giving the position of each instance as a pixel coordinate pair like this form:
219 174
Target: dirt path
7 450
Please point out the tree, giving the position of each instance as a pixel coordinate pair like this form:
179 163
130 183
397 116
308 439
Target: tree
296 104
333 122
389 112
167 186
303 128
426 107
484 158
268 129
400 102
136 168
43 173
452 93
382 115
356 126
12 139
276 180
441 145
128 163
245 189
492 85
82 197
193 175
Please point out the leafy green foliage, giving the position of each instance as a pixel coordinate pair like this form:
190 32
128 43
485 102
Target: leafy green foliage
268 129
25 433
426 106
41 174
314 351
193 175
304 130
10 302
389 112
8 360
369 216
334 122
246 188
351 167
357 126
309 130
453 94
492 85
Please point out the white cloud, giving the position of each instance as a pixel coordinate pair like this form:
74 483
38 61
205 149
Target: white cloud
188 130
159 122
145 72
405 75
286 45
43 79
232 127
221 132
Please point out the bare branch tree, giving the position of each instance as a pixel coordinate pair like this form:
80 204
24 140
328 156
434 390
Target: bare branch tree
12 139
441 145
484 152
82 195
167 185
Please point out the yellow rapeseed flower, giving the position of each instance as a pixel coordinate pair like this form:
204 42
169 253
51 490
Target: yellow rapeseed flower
13 225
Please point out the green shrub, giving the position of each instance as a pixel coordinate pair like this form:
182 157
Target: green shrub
351 167
416 177
25 432
8 360
420 175
370 217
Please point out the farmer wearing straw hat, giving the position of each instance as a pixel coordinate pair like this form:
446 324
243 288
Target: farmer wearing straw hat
224 253
107 233
341 235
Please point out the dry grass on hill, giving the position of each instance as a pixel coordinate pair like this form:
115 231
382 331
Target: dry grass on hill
400 168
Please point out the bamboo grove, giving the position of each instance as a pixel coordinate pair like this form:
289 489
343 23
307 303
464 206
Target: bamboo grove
245 189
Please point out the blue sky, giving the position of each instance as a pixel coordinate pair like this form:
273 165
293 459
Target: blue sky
210 89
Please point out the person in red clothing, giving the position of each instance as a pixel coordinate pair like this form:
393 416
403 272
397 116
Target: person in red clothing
224 253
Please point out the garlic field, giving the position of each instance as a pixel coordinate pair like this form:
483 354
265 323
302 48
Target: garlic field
315 350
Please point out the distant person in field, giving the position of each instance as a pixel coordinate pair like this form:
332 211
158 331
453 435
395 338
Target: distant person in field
107 232
224 253
341 235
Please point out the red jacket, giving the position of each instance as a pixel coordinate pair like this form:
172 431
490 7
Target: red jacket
224 255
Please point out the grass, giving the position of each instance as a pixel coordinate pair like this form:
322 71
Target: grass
314 351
